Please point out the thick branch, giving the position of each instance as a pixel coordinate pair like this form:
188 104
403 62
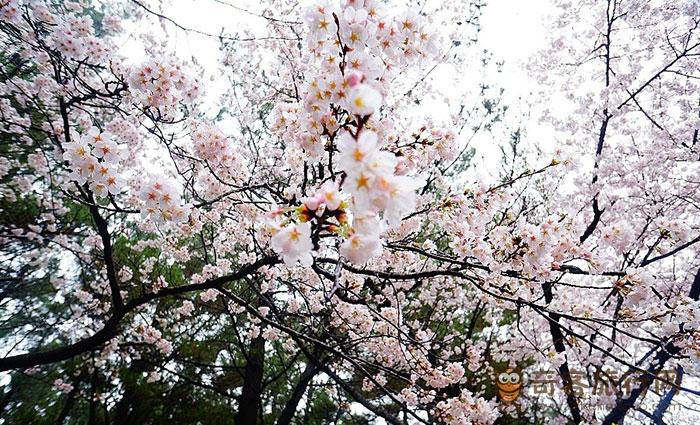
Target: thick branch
564 372
111 326
618 413
665 402
251 395
102 229
290 407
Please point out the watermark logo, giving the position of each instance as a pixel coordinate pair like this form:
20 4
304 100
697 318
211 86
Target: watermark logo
605 382
512 383
509 384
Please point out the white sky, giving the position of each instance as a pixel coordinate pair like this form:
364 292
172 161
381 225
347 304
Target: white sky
513 30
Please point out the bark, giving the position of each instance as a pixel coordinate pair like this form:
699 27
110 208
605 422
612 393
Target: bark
123 410
250 400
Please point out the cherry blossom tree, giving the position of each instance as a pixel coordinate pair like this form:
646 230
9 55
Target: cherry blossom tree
320 248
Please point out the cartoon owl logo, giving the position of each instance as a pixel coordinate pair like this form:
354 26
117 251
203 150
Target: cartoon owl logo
509 384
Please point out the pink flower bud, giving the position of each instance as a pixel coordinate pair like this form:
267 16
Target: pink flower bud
354 78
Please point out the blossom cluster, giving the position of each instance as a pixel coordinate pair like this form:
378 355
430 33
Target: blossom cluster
467 409
211 144
352 64
9 10
535 250
153 336
75 37
94 158
353 52
162 202
293 242
372 179
162 84
72 33
63 386
223 162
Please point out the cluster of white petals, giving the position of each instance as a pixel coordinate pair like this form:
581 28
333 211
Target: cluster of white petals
94 158
164 85
162 202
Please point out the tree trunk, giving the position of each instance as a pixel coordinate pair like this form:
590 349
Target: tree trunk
249 403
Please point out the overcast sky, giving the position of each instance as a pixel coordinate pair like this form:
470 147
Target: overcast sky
511 30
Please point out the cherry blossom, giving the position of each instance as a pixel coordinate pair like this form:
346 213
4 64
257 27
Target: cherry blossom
293 243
